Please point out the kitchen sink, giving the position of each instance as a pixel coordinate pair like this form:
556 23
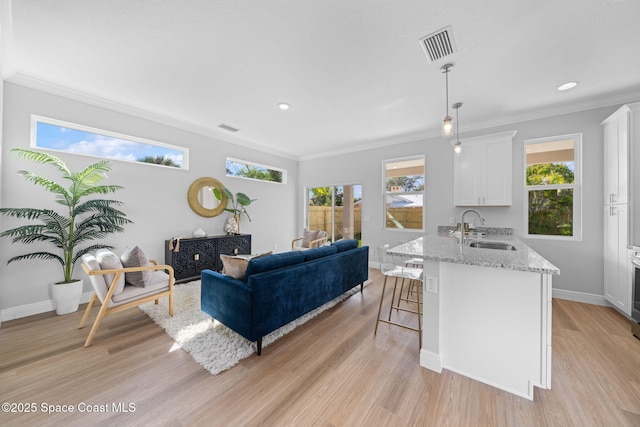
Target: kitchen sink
493 245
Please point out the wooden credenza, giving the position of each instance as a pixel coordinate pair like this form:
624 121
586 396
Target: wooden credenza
196 254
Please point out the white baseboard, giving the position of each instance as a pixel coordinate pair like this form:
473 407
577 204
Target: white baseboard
431 361
12 313
20 311
581 297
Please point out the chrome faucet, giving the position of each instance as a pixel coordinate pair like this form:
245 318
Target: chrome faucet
462 222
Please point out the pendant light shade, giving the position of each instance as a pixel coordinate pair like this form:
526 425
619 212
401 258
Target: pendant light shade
457 145
447 121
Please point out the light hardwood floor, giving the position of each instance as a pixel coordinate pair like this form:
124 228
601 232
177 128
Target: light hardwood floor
331 371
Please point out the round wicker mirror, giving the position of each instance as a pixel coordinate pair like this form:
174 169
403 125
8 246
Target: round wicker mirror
202 200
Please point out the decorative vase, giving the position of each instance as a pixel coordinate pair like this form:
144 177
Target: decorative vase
199 233
67 296
237 218
231 226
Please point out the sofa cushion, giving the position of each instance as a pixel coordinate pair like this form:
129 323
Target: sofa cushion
319 252
345 245
271 262
108 261
236 265
136 258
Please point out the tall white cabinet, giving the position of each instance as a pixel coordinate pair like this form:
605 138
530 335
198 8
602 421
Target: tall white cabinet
482 171
619 138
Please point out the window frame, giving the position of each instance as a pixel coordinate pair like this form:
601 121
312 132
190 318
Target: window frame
576 187
386 193
35 119
307 199
260 165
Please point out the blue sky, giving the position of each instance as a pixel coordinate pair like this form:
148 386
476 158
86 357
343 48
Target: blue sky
91 144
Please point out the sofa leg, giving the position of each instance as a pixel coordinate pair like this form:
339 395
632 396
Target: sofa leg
259 342
361 286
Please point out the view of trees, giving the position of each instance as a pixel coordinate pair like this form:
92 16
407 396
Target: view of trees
408 183
159 160
322 196
250 171
550 210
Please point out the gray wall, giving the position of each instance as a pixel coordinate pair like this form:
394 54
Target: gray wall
580 262
155 198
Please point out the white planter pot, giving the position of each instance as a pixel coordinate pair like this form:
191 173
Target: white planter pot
67 296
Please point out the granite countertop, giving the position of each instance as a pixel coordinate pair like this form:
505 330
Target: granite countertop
445 248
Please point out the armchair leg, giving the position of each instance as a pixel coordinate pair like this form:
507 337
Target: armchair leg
259 343
96 323
171 304
92 301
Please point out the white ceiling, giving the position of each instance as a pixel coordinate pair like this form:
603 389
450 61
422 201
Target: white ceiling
353 71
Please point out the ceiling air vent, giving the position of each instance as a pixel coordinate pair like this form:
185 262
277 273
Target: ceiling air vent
229 128
438 45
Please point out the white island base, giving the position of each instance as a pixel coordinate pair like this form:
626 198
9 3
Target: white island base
489 324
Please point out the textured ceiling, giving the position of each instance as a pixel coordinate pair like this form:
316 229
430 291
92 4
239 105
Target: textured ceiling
353 71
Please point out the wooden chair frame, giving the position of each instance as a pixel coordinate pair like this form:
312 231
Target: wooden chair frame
312 244
118 272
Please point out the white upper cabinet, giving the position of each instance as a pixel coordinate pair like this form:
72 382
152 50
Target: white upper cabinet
482 171
616 157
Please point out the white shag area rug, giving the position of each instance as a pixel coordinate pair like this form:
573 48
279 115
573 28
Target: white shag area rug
214 346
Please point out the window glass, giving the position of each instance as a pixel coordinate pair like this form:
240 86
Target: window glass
56 135
249 170
336 209
552 180
404 193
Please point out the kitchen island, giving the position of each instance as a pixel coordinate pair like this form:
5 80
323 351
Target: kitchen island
487 312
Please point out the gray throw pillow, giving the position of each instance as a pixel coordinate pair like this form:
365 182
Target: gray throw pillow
136 258
309 236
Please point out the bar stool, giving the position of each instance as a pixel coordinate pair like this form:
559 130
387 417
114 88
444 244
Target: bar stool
390 269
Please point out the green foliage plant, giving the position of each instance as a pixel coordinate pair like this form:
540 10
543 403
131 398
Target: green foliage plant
82 219
238 202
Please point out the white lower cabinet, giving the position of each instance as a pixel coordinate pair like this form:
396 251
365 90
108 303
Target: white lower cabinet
617 283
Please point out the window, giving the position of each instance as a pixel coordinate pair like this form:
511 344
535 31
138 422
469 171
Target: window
404 193
57 135
250 170
552 179
336 209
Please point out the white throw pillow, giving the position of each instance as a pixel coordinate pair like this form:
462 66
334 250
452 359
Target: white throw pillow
236 266
108 260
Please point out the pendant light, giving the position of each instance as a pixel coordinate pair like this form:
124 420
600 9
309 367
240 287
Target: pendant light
447 121
457 146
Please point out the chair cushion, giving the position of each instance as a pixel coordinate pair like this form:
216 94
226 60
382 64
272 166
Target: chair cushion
309 236
158 282
97 281
136 258
108 260
236 265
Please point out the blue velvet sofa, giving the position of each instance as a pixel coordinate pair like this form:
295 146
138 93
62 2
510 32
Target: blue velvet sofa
279 288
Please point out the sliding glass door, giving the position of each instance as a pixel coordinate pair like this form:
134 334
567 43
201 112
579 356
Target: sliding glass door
337 210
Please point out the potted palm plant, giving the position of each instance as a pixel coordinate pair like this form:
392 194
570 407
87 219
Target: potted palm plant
81 220
238 202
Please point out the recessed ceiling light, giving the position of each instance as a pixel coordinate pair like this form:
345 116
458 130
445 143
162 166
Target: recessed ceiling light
568 85
283 106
